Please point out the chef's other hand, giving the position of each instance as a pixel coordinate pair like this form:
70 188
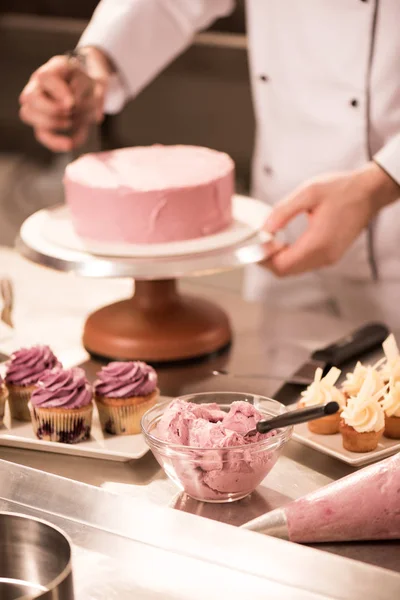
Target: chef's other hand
338 207
62 98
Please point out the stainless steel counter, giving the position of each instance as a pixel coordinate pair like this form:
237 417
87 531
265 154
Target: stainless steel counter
124 548
267 342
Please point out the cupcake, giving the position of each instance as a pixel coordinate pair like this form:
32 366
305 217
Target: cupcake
124 391
24 370
391 367
3 399
363 420
61 406
320 392
354 381
391 407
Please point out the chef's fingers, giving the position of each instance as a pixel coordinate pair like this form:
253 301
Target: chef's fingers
272 248
300 201
54 141
310 251
39 101
41 120
52 80
57 89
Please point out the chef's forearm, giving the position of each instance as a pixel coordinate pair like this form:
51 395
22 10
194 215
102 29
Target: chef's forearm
141 37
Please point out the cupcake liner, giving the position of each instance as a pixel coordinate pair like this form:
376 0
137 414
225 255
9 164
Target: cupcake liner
354 441
3 399
392 427
328 425
18 399
68 426
122 416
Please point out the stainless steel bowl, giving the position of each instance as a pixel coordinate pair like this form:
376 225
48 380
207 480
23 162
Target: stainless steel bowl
35 560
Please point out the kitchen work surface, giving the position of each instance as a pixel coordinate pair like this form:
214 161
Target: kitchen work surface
268 343
124 548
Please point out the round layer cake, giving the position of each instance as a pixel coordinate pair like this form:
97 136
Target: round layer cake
151 194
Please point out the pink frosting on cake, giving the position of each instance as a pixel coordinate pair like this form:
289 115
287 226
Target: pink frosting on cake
152 194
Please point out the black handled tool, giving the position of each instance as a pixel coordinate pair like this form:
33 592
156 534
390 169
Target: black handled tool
351 347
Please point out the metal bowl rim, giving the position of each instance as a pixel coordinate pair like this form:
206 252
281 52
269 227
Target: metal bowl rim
67 569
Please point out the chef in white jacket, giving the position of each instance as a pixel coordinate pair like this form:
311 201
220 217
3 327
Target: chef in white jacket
325 76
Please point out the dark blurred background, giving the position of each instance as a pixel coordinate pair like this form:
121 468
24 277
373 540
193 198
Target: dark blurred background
202 98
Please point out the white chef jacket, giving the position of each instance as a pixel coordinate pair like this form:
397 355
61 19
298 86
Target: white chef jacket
326 87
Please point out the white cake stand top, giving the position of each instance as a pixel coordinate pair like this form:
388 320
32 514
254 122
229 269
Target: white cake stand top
47 238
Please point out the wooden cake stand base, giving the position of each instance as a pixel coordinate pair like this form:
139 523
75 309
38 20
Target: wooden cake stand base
157 325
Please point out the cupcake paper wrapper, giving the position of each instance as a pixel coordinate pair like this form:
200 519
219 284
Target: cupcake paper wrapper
3 399
392 428
360 442
67 427
18 400
328 425
123 420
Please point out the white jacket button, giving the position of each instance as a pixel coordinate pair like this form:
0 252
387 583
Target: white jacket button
264 78
267 170
354 102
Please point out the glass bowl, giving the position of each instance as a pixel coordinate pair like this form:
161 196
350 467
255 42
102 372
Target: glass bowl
222 474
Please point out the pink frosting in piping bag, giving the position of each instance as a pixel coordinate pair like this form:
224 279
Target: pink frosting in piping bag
362 506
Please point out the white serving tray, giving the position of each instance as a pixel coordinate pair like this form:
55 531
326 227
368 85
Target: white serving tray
120 448
332 445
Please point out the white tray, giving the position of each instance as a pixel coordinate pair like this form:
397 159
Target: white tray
332 445
249 215
120 448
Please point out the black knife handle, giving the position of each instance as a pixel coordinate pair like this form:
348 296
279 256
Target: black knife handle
294 417
362 340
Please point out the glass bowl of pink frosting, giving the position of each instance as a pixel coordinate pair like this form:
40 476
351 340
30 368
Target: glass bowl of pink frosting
200 442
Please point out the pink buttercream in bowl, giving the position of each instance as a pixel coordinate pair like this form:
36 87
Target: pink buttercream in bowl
200 442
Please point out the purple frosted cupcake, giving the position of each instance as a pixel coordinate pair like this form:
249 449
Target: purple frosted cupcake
3 399
61 406
24 370
124 391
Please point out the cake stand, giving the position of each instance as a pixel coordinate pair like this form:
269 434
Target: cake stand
157 324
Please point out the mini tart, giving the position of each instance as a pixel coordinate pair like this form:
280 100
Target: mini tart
122 416
328 425
18 399
392 427
64 425
354 441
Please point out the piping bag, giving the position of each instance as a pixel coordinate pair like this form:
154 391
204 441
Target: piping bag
362 506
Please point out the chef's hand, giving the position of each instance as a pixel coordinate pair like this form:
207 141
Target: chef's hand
62 99
338 207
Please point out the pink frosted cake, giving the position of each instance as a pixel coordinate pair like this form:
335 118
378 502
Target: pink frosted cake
149 195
